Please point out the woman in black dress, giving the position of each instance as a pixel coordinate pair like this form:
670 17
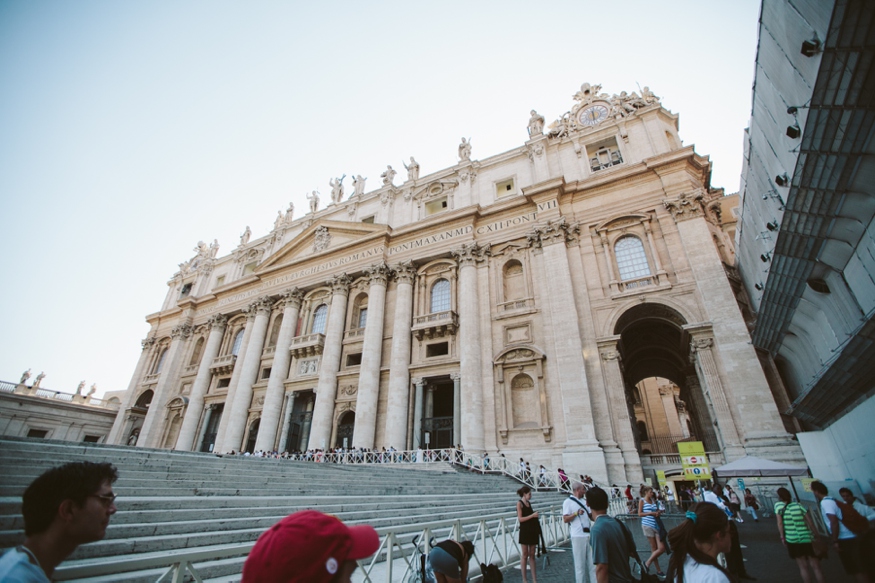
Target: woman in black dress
529 531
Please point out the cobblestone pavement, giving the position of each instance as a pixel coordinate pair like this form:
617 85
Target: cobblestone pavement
765 558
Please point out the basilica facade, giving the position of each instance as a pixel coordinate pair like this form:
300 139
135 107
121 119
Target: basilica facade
507 304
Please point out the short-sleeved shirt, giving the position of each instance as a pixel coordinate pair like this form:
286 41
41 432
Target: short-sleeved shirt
608 544
580 521
19 566
829 506
793 516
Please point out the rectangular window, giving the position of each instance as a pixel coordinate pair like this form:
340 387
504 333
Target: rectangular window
354 359
265 374
186 289
436 206
250 267
39 433
91 439
505 187
603 154
220 281
223 383
439 349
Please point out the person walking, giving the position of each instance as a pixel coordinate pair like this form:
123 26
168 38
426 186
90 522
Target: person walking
734 503
576 514
696 542
797 537
751 503
846 543
610 551
529 531
648 510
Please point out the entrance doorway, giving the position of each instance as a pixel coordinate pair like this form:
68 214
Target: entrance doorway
253 435
437 422
299 422
345 428
212 428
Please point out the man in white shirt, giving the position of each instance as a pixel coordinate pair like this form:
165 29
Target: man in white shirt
844 541
576 514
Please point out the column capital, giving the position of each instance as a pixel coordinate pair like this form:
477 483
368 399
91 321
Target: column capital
262 305
471 254
456 376
701 344
182 331
339 284
292 297
378 273
217 321
418 381
404 272
555 231
688 205
148 342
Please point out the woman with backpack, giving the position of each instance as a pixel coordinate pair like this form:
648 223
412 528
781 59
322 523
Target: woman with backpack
797 536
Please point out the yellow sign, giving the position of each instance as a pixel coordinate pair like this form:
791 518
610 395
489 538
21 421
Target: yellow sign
806 483
698 473
689 461
694 461
691 448
660 477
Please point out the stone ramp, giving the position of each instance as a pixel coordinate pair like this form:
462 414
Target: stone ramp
179 502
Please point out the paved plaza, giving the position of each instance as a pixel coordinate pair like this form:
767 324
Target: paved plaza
765 558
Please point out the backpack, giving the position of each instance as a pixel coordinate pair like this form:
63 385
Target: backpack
853 520
491 573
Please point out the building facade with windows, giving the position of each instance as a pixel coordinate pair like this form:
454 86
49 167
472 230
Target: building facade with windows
509 303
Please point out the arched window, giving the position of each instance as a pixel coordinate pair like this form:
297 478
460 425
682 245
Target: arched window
238 340
198 350
275 331
320 316
160 362
642 431
363 317
440 296
631 259
514 282
360 313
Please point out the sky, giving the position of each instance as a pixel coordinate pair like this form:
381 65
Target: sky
129 131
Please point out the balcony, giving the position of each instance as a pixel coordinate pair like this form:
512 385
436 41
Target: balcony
309 345
516 305
269 351
151 378
435 325
354 334
223 365
190 370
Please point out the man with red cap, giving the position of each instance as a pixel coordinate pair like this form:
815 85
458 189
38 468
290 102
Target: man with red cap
309 547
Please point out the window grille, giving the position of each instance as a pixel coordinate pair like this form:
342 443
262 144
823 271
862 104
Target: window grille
320 316
440 296
631 259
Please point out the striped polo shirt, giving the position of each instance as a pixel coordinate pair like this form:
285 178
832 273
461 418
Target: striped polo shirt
795 529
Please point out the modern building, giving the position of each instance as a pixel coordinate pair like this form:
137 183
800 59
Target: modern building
805 240
509 303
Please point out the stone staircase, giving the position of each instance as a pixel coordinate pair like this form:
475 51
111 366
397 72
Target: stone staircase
182 501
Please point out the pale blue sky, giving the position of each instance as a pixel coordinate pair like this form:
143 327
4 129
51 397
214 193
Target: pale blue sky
131 130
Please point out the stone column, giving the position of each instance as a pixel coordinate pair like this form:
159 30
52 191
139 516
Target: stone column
399 361
239 413
201 384
287 417
429 402
469 346
582 449
116 434
326 388
208 414
234 382
151 432
279 372
457 408
417 412
372 355
619 408
712 387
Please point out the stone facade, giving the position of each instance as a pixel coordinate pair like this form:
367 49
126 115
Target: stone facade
508 303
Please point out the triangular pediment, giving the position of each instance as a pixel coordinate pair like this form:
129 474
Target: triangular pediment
321 238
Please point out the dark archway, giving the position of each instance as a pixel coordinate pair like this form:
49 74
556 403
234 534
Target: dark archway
253 435
345 428
144 400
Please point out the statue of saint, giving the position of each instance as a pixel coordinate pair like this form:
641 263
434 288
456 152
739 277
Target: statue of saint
336 189
465 150
314 201
80 387
201 249
92 390
24 376
358 184
412 169
39 379
214 248
536 124
279 221
244 238
290 212
388 176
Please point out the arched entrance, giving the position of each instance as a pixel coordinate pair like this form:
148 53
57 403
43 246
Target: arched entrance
345 427
253 435
663 392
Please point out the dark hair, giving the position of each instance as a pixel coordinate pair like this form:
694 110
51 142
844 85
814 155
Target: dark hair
523 491
820 488
597 499
74 481
468 546
784 495
848 490
710 520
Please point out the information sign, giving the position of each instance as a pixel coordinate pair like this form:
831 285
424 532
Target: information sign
694 461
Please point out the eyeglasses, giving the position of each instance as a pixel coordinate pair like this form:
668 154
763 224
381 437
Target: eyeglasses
105 499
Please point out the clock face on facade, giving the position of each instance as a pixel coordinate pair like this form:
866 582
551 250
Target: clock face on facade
593 115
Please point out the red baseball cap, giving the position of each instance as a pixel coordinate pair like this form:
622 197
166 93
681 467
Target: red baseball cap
307 547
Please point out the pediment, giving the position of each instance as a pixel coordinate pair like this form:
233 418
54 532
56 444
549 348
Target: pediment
320 238
625 220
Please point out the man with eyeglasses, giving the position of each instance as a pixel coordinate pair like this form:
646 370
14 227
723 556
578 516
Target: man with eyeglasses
63 508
